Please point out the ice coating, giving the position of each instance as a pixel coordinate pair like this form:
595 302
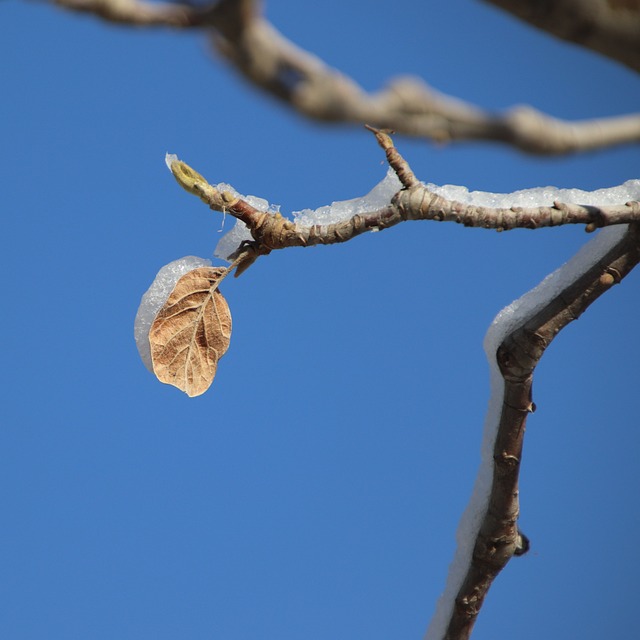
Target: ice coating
511 317
231 240
540 196
378 197
156 296
169 159
381 195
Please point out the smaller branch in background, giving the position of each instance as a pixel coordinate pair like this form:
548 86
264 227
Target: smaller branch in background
134 12
408 106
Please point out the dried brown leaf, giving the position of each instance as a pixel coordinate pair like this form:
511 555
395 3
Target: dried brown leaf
191 332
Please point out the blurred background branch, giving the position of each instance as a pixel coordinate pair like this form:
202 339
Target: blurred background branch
409 106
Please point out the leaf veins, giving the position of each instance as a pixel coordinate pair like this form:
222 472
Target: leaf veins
191 332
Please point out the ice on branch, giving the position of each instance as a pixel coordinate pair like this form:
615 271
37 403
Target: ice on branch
508 320
156 296
380 196
169 159
540 196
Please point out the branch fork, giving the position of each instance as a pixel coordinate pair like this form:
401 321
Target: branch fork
271 231
498 538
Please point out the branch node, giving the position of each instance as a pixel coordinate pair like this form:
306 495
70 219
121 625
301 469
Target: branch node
245 255
610 277
607 280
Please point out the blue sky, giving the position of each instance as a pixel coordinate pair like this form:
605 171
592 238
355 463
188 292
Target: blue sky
314 491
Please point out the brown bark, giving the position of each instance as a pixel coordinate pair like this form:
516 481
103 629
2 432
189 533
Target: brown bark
499 538
414 202
518 355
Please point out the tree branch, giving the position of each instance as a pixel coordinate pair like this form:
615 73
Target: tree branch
499 539
610 27
271 231
136 12
408 105
516 354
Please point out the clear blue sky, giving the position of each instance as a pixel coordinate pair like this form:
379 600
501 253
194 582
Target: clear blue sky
315 490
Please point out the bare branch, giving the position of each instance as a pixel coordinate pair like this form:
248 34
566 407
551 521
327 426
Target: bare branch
610 27
408 106
421 204
415 201
135 12
499 539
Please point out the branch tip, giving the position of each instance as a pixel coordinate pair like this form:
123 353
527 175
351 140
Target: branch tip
395 160
169 159
189 179
382 136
